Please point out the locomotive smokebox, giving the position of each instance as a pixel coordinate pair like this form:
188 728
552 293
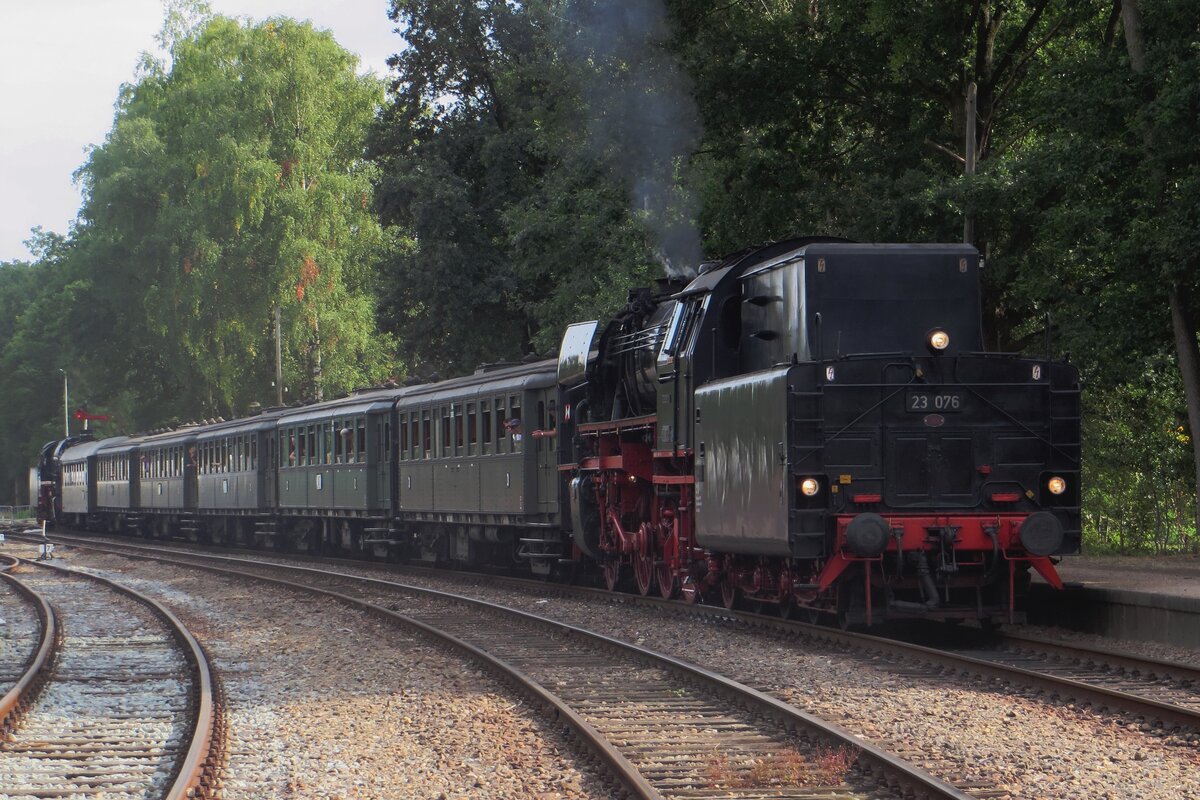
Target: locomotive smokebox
867 535
1041 534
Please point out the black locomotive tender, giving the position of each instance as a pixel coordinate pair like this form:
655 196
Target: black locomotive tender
811 425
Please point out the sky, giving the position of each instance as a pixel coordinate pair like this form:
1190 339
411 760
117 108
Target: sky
62 63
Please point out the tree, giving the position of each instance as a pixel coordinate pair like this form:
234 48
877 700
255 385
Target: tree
1170 178
510 180
231 184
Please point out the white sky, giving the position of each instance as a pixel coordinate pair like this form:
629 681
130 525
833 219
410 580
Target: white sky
61 64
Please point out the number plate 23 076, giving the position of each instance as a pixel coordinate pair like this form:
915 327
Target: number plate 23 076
940 402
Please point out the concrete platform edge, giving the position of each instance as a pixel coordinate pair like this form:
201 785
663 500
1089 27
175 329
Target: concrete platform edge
1119 613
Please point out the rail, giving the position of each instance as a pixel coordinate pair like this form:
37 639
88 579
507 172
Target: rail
33 676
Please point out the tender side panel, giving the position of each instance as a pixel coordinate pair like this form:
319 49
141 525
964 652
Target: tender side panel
743 491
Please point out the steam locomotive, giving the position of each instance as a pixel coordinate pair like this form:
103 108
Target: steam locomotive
813 425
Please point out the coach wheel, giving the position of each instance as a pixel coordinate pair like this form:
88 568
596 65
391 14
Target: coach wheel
612 574
667 584
643 574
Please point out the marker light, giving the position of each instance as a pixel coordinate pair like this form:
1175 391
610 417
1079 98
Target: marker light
810 486
1056 485
939 340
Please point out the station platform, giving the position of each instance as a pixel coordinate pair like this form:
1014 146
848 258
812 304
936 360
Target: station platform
1142 598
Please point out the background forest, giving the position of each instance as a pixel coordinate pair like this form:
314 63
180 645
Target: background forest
527 163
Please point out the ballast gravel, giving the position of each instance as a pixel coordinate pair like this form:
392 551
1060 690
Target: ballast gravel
1028 746
327 702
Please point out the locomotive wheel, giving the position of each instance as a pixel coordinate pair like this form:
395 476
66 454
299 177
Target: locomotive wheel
612 574
787 605
690 592
643 574
730 593
851 601
667 584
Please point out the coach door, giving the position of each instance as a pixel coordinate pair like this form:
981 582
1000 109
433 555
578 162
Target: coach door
544 443
268 440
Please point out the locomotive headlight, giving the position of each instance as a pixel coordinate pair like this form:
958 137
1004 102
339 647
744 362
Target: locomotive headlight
939 340
810 486
1056 485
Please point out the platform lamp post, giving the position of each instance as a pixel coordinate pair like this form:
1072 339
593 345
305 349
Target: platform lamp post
66 407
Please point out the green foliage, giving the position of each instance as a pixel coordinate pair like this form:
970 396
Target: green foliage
230 185
515 207
1138 496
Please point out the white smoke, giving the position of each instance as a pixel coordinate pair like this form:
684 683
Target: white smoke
643 116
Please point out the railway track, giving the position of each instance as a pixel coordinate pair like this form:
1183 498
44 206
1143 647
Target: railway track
1157 695
1164 683
28 638
664 728
116 700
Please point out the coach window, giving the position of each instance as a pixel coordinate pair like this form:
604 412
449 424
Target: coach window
485 425
541 423
499 425
327 455
254 451
444 442
514 414
402 422
360 450
312 444
339 442
472 430
301 447
459 439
